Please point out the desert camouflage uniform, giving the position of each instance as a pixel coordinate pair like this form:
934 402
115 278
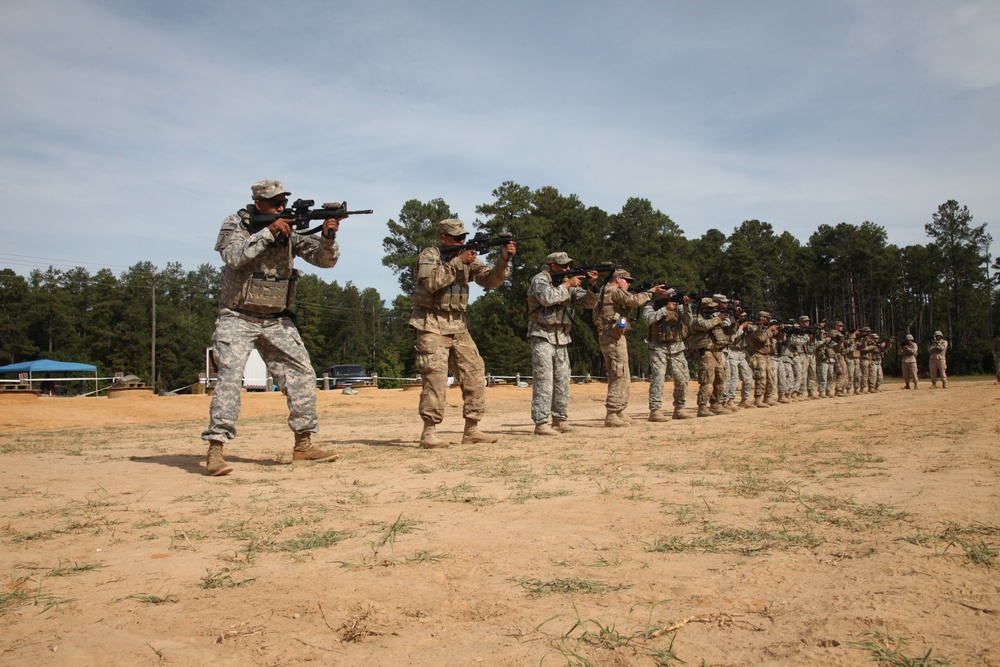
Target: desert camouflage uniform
840 345
825 359
938 362
666 335
761 343
908 353
853 357
866 348
708 338
257 295
614 305
550 319
440 302
798 353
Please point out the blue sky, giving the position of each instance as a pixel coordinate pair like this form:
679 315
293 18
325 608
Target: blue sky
130 129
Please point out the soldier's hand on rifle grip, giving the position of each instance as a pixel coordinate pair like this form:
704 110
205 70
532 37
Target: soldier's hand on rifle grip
592 276
467 257
508 250
280 227
572 281
330 228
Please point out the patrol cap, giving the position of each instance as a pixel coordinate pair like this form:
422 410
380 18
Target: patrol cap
938 333
866 329
622 273
452 227
804 318
763 315
721 298
838 323
267 189
909 336
707 301
874 335
560 258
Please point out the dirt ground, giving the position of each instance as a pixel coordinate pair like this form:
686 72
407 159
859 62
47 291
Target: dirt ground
824 532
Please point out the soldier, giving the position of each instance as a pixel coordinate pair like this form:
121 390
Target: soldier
760 342
611 319
784 366
938 363
851 357
255 311
667 332
738 368
996 355
551 299
825 358
881 347
711 332
841 348
439 306
800 351
865 349
908 353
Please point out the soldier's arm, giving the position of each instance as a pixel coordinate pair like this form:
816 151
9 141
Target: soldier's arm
237 246
435 274
487 277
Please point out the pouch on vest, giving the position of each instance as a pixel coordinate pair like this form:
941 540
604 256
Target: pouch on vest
267 292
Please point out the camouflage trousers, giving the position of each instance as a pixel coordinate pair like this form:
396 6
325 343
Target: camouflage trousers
763 375
939 370
435 355
910 373
663 365
786 372
825 372
843 375
851 383
615 354
550 376
278 342
711 377
737 369
875 376
864 374
807 373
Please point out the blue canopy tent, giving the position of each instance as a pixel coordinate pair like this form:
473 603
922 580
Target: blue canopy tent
49 366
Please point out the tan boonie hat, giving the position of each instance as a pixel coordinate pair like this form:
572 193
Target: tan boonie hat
267 189
560 258
909 336
621 273
452 227
938 333
721 298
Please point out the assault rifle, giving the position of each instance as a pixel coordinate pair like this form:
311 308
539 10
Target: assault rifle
301 214
480 243
603 267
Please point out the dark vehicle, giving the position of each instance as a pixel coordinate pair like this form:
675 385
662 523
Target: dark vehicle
344 375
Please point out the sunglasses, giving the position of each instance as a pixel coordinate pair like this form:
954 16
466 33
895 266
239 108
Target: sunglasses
277 202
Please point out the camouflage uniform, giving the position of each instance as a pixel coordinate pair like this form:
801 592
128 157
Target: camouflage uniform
866 348
851 356
825 359
710 334
440 301
667 331
908 353
938 363
257 295
738 369
761 342
611 319
550 319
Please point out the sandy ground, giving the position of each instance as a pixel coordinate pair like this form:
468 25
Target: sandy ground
829 532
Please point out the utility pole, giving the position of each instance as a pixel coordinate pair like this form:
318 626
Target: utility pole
152 344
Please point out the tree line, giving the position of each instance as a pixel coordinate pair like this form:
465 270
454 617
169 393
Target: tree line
845 272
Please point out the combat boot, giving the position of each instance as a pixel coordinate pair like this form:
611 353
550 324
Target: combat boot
614 420
680 413
216 465
561 426
545 429
705 411
783 398
474 436
759 402
732 407
429 438
305 451
813 396
624 417
658 416
746 403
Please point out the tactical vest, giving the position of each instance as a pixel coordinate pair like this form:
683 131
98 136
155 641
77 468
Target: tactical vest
549 317
265 286
664 331
454 297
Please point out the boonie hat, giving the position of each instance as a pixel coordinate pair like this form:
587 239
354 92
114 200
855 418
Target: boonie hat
938 333
267 189
909 336
721 298
452 227
560 258
804 318
707 301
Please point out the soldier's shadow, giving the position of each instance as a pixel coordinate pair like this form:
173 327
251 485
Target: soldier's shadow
194 463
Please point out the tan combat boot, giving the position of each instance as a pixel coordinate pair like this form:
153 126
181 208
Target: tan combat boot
545 429
658 416
429 438
704 411
216 464
731 406
679 413
759 402
624 417
305 451
474 436
715 409
561 426
746 403
614 420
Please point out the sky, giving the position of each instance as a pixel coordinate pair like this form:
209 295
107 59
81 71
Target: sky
129 129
